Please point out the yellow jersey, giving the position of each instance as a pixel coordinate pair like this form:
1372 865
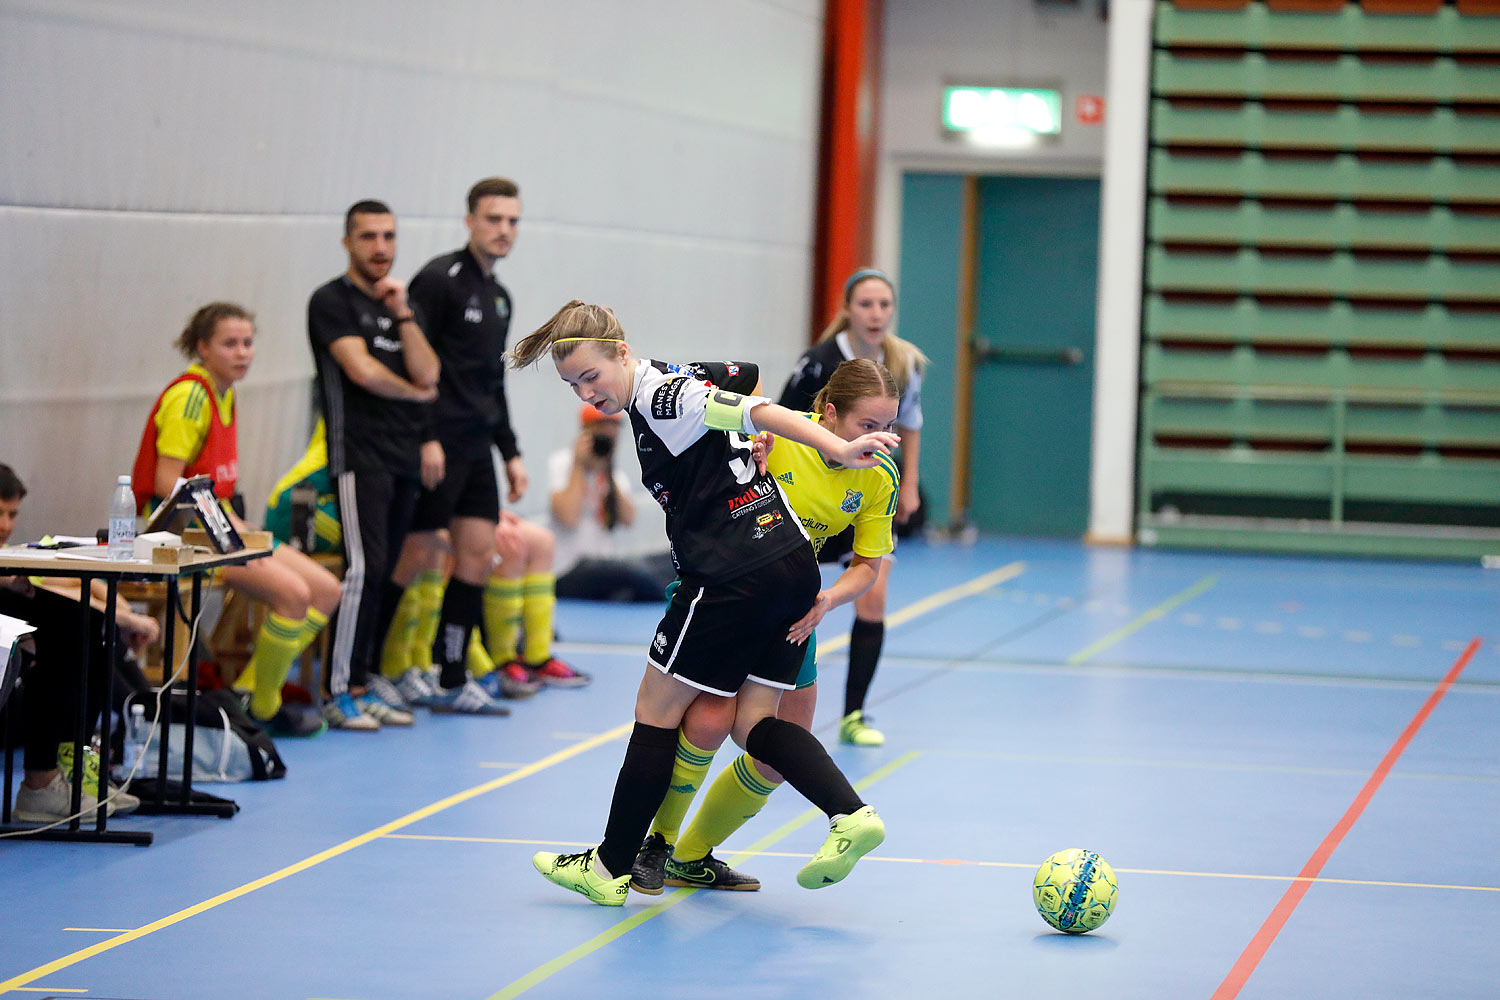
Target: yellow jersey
827 499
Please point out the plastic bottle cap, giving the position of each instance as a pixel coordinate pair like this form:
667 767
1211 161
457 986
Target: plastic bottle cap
123 480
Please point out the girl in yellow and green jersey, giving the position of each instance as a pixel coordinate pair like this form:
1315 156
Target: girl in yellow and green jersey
860 398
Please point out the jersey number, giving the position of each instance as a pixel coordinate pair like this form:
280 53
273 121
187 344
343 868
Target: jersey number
743 467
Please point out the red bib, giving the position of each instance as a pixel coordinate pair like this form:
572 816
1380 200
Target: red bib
218 458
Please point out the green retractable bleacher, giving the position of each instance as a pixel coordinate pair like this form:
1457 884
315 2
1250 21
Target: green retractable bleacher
1321 328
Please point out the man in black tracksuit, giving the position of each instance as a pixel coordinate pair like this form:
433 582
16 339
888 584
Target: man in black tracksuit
467 315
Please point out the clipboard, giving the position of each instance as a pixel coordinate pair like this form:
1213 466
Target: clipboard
194 497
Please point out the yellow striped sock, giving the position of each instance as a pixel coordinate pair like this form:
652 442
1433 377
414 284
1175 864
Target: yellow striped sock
424 634
737 794
395 653
314 623
538 600
502 617
477 661
688 771
275 648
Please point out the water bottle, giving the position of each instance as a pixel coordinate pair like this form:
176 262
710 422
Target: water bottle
122 521
137 732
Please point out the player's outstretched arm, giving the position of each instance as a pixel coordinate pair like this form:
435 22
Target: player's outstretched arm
857 454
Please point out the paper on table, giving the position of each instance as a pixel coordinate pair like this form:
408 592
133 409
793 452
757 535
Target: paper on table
11 631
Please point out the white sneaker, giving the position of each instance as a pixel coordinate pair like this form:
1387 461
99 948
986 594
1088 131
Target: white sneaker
387 692
386 715
417 686
341 712
53 802
471 699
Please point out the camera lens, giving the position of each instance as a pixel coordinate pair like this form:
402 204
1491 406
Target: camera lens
603 444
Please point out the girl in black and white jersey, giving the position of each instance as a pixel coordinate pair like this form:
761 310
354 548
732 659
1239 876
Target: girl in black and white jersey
748 575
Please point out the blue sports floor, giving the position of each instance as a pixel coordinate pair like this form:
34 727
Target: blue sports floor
1216 726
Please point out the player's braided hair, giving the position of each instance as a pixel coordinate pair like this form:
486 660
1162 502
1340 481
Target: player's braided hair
200 328
573 325
902 357
853 380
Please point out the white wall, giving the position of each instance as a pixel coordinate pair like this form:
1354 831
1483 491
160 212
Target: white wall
158 155
933 43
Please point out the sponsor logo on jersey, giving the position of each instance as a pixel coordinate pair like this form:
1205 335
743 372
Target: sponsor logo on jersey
786 477
472 311
660 642
766 523
457 266
666 401
386 343
758 494
502 307
814 526
640 443
732 368
851 501
660 495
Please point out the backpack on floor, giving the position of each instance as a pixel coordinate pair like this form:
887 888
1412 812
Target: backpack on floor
228 745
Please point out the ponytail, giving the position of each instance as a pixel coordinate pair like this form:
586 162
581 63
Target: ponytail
575 323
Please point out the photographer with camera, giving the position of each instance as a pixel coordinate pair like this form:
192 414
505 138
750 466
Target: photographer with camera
591 506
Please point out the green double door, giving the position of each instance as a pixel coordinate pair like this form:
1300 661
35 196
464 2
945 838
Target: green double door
1036 252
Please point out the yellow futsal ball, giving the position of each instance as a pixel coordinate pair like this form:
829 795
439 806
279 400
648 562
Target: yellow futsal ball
1074 890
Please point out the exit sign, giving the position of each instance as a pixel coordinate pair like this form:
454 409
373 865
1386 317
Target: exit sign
1002 109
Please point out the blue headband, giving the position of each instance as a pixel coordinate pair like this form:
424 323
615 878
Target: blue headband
861 275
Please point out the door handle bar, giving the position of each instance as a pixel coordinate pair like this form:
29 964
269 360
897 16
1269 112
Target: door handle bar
1026 355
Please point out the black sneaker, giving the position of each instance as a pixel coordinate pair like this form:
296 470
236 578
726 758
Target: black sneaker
293 721
708 872
646 873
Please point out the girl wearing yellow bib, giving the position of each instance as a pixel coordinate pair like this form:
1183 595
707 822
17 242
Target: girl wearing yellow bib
860 398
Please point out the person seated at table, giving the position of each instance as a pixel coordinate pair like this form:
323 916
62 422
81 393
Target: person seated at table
192 431
49 694
591 506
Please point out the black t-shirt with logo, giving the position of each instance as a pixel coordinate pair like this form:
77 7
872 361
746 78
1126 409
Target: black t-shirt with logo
467 315
366 432
724 518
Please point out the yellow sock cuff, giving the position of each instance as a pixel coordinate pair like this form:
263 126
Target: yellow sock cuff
502 617
538 600
737 794
276 646
688 770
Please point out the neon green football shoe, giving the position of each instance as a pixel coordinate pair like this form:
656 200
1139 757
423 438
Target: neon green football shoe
849 839
854 730
576 872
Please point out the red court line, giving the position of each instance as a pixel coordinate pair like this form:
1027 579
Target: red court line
1256 949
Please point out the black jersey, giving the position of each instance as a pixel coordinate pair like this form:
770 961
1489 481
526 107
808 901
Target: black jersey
467 319
366 432
816 366
724 518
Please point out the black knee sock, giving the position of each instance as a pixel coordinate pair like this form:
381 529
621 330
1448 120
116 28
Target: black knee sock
639 790
463 608
801 759
865 640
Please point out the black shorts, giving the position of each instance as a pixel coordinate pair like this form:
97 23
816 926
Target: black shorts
715 637
469 489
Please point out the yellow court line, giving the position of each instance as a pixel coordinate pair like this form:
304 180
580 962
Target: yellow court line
1146 619
593 944
17 982
975 586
